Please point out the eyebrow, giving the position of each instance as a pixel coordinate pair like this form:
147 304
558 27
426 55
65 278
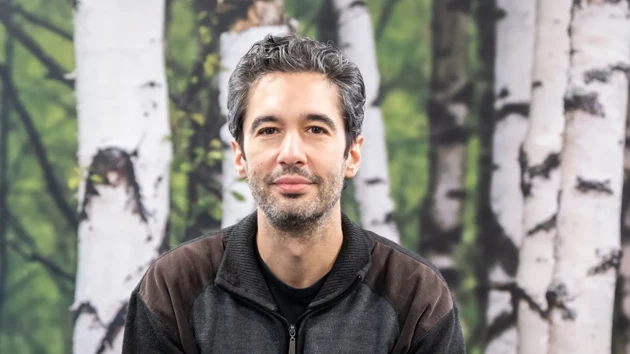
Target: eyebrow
312 117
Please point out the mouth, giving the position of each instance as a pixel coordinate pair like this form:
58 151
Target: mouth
292 184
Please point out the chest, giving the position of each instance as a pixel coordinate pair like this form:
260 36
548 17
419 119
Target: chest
360 323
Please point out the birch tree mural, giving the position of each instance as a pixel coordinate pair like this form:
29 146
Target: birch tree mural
512 91
125 155
448 107
540 165
355 36
588 249
250 23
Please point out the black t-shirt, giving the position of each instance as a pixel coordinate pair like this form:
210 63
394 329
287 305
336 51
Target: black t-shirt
291 302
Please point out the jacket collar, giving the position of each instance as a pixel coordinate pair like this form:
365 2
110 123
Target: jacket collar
239 271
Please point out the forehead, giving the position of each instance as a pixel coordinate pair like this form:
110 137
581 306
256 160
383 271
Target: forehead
289 96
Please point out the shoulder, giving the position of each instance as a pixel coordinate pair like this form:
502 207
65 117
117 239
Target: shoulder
179 275
411 284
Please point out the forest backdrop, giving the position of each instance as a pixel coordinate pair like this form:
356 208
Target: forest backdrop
435 83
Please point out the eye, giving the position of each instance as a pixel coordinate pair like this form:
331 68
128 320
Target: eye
318 130
267 131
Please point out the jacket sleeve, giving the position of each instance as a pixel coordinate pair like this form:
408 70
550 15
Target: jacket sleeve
444 338
144 332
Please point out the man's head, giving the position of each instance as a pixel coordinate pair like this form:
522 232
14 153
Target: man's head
295 111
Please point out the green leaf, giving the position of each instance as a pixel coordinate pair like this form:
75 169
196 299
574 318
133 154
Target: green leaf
216 144
238 196
215 155
96 179
186 132
185 167
202 15
199 118
73 182
217 211
204 35
210 64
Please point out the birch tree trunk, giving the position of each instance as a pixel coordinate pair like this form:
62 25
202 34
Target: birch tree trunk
512 91
588 247
623 330
249 25
355 36
125 156
451 92
540 168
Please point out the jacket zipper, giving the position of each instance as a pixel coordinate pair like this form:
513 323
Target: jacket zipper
293 330
292 339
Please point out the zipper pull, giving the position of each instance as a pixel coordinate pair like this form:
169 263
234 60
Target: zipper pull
292 339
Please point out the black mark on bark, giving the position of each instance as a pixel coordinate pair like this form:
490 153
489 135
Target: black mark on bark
536 84
113 166
113 329
452 135
523 161
458 194
357 3
585 102
601 75
518 294
546 225
503 93
557 296
611 260
521 109
151 84
500 324
551 162
86 307
373 181
499 14
464 94
585 186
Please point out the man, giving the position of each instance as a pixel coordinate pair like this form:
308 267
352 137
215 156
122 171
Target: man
296 276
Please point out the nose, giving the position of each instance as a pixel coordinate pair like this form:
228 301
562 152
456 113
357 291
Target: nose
292 151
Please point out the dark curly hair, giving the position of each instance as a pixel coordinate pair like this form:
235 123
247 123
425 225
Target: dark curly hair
292 53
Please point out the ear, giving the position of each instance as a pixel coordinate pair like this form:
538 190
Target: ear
353 161
239 162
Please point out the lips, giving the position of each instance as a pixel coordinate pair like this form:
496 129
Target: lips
292 184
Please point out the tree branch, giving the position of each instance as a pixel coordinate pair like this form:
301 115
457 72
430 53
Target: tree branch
33 255
383 20
55 70
43 23
47 169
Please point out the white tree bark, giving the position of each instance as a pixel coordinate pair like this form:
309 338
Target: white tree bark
624 269
125 156
540 163
588 246
371 184
513 70
238 201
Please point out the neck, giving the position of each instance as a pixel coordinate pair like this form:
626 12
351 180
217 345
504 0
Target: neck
301 260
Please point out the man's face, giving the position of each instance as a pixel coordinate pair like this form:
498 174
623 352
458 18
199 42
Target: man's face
294 144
